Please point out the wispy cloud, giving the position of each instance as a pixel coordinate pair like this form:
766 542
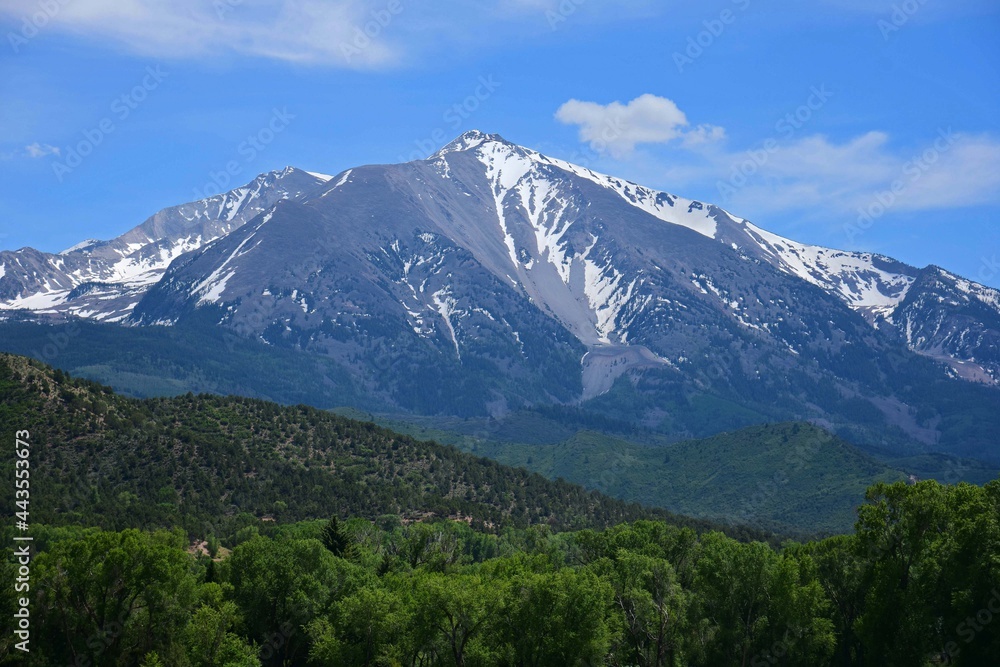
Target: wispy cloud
935 9
34 150
356 34
37 150
812 175
342 32
951 170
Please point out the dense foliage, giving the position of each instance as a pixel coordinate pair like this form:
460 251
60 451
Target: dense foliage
918 583
191 461
789 477
427 556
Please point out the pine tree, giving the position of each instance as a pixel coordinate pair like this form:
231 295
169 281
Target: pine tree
333 537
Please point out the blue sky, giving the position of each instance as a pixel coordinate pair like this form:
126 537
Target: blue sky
853 124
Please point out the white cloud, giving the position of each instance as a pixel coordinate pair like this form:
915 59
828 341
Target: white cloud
356 34
349 33
950 170
810 175
37 150
966 174
648 119
34 150
327 32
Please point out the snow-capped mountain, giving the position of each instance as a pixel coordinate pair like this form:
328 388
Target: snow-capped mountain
873 285
954 320
490 276
104 280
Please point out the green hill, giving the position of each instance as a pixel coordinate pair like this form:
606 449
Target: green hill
102 459
789 477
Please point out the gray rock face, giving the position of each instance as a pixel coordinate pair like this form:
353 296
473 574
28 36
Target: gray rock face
953 320
506 277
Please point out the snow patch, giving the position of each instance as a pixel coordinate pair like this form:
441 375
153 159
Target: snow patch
213 292
852 276
446 308
501 157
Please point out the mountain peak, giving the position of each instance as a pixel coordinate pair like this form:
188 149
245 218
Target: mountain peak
469 140
79 247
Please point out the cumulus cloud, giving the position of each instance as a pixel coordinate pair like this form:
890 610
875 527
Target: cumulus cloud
648 119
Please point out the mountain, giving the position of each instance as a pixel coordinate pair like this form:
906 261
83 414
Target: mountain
954 320
104 280
490 279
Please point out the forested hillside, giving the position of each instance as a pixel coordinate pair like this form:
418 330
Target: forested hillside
114 462
789 477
